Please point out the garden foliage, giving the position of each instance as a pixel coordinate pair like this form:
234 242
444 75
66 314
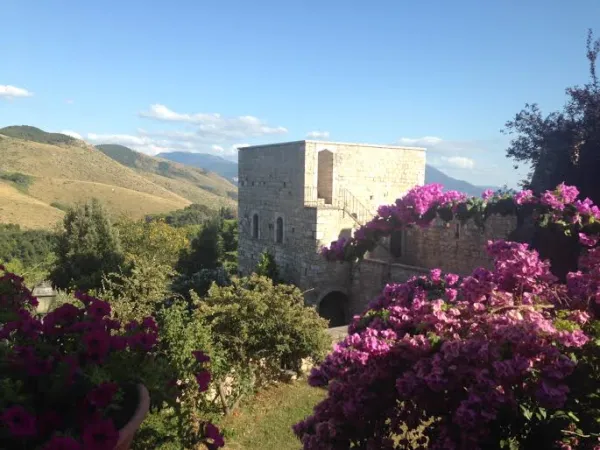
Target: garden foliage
68 380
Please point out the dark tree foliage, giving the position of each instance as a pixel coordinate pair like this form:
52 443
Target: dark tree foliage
206 250
31 247
564 145
194 214
87 248
212 257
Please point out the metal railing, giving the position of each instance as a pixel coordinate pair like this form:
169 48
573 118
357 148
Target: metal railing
341 199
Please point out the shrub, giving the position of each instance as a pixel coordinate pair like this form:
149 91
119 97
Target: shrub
20 180
254 320
69 381
87 248
267 267
138 291
62 206
177 427
200 282
502 358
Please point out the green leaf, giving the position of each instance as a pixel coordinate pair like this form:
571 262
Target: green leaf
528 414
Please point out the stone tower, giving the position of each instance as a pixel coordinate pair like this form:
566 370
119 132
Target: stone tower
295 197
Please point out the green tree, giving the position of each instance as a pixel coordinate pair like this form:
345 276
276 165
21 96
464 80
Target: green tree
562 146
194 214
156 241
206 250
28 252
87 248
229 233
267 267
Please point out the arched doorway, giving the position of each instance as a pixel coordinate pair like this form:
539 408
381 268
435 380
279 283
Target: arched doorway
333 308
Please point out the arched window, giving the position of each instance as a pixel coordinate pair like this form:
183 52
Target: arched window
279 230
255 226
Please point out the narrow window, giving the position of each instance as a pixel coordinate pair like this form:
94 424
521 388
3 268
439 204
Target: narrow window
396 243
255 226
279 230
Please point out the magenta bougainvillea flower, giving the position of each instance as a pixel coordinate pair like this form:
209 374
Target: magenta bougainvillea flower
65 374
505 357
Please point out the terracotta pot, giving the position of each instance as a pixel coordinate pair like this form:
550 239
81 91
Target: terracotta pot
127 433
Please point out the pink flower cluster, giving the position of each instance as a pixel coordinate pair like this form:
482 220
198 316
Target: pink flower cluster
463 352
56 352
422 204
474 361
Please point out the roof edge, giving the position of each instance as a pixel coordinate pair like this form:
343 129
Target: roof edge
356 144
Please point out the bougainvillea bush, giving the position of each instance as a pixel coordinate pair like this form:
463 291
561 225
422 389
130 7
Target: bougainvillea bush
502 358
69 380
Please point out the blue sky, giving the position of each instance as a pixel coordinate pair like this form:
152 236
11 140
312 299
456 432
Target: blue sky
208 76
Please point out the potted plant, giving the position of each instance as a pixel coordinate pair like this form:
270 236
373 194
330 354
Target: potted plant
76 378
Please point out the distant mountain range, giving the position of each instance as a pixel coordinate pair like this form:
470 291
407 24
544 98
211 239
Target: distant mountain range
213 163
229 169
433 175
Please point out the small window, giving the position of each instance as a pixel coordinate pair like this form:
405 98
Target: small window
255 226
396 243
279 230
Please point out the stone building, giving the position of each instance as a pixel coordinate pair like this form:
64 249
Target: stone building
296 197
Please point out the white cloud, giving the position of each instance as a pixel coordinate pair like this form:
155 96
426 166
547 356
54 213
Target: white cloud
214 126
142 144
424 141
10 92
72 134
459 162
69 101
152 143
318 135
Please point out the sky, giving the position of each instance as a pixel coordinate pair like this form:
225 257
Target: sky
210 76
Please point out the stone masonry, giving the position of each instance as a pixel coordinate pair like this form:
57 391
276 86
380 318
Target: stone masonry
296 197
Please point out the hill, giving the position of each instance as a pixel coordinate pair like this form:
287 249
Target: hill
42 175
213 163
36 135
433 175
196 184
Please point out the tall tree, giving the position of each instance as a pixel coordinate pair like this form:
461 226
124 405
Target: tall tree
87 247
564 145
206 249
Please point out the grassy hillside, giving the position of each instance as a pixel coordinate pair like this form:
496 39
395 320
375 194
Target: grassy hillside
39 179
192 183
17 207
36 135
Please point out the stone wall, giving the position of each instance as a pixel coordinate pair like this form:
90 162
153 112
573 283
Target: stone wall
271 185
374 174
370 276
301 182
453 247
